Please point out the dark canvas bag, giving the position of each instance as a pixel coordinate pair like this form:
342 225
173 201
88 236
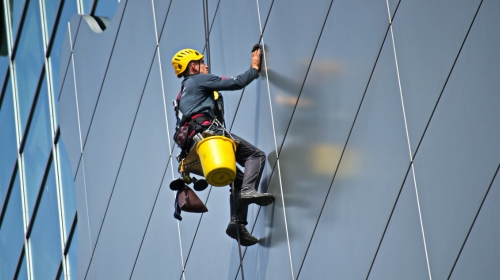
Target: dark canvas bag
189 201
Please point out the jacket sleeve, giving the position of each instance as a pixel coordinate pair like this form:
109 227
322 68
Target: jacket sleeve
213 82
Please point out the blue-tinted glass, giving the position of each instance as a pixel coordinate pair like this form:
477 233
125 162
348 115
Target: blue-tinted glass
87 6
37 148
68 187
45 239
29 60
51 7
73 255
106 8
23 271
4 65
11 233
8 147
16 10
69 9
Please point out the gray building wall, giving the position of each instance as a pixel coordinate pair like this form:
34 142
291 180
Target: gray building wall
379 118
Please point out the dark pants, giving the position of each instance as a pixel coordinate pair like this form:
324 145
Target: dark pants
253 159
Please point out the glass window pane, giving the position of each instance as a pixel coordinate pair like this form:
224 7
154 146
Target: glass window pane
37 148
16 10
73 255
87 5
51 7
106 8
23 271
29 60
11 233
4 66
69 9
45 239
67 186
8 147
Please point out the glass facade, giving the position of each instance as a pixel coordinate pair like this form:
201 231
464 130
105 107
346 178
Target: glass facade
377 118
38 224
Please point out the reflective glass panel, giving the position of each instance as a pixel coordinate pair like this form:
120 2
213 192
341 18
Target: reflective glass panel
4 65
16 10
11 233
37 148
68 187
69 9
29 60
72 256
23 271
106 8
51 7
45 239
8 147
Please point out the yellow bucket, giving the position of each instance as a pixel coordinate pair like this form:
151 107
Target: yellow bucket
217 160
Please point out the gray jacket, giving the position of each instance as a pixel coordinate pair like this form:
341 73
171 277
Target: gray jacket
197 95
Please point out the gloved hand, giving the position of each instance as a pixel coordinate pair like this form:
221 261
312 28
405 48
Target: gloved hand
256 56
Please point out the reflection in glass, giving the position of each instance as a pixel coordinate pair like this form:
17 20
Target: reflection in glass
8 147
87 6
45 237
29 60
106 8
51 7
22 274
68 187
72 254
69 9
37 148
11 233
16 10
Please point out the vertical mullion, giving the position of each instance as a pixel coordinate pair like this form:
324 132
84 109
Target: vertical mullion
79 6
20 162
43 24
8 26
60 203
53 128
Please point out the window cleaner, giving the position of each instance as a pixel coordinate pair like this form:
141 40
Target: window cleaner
199 109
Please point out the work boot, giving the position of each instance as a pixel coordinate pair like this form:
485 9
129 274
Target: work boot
250 196
246 239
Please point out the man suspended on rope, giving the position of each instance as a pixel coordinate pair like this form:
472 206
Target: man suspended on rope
199 104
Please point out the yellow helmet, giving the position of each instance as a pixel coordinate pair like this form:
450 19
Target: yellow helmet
182 58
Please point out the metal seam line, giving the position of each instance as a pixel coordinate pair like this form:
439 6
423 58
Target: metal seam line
169 145
408 139
275 144
77 106
88 220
